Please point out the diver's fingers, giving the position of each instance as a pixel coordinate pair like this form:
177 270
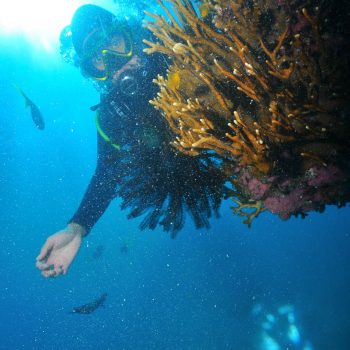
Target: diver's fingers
58 270
57 263
42 265
45 249
53 272
48 273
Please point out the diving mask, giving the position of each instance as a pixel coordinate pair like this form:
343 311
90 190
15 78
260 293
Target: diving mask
106 51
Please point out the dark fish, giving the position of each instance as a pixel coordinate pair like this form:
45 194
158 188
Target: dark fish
90 307
34 110
124 249
98 252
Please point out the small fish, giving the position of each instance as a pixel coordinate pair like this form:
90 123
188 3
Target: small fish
98 252
174 80
203 10
124 249
34 110
90 307
126 244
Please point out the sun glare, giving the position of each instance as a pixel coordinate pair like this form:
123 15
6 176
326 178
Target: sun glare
40 21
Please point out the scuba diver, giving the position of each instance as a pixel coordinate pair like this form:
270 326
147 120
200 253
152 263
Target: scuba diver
279 330
135 160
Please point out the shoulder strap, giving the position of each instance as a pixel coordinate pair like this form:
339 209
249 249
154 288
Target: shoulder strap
102 133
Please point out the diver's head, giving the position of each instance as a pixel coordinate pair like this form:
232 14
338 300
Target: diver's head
102 43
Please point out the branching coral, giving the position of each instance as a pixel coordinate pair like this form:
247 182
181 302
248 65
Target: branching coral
261 84
155 182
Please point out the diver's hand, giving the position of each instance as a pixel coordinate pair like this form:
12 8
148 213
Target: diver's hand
59 250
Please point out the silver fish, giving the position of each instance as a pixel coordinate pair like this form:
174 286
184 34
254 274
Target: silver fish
34 110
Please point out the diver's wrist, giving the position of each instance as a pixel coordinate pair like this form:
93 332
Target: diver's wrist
76 229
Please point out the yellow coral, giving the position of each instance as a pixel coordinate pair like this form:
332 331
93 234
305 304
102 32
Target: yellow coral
263 86
240 87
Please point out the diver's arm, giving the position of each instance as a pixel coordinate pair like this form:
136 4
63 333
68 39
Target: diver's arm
100 191
59 250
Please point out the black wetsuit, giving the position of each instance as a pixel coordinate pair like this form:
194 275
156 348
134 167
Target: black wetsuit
147 173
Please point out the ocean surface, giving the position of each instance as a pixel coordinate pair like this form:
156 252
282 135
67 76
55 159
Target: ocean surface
229 287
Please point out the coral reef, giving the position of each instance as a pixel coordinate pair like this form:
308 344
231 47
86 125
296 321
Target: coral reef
264 86
155 182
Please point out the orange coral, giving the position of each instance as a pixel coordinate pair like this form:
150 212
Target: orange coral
239 88
259 83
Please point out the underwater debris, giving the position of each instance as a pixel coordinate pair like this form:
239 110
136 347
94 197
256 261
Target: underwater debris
99 250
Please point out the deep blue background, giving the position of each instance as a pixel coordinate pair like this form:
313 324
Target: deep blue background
194 292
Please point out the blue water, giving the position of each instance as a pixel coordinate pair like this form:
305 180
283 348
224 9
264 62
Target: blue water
195 292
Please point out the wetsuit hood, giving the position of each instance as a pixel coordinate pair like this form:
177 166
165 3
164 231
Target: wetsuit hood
86 19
